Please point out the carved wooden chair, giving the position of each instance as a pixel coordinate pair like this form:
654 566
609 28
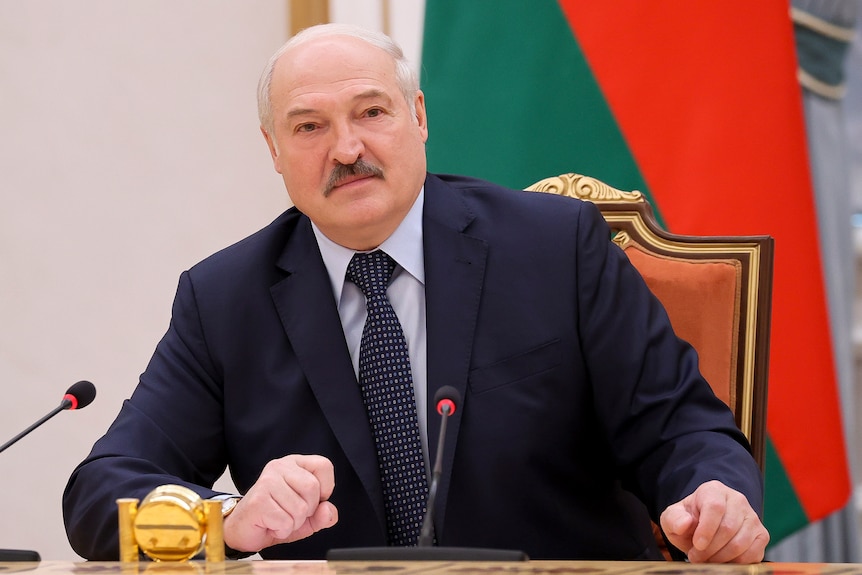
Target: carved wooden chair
717 292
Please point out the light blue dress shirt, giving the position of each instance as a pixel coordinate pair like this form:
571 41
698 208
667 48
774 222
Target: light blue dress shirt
406 292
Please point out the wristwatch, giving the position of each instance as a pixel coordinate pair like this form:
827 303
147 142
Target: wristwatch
228 505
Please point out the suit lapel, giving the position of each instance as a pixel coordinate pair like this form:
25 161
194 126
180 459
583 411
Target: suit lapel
454 277
310 317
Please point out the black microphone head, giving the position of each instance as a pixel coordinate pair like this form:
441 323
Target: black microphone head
80 395
447 395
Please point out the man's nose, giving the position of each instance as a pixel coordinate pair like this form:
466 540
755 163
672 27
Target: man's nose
347 146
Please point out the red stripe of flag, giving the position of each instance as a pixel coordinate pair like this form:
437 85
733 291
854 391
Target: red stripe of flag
706 96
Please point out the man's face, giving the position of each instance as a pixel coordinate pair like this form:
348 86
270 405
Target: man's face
336 103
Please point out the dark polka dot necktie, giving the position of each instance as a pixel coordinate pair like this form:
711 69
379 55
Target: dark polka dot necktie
387 391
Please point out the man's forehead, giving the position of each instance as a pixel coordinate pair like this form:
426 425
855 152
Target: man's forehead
334 53
340 65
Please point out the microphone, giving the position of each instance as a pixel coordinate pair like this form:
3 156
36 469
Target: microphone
79 396
447 399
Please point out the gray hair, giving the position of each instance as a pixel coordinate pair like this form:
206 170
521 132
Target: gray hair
404 75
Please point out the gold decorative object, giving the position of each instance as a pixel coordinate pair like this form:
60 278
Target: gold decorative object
584 188
172 523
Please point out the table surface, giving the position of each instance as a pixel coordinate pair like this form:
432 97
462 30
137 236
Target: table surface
425 567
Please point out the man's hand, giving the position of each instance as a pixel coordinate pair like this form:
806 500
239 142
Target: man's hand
288 502
715 524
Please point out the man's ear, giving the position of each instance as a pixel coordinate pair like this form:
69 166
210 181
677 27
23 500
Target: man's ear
273 148
421 115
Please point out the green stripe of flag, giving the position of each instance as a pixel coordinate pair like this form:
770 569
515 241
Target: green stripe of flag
783 512
534 109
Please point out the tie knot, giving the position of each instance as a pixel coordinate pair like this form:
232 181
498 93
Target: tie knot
371 272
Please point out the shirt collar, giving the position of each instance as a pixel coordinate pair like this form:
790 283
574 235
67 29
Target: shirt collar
404 246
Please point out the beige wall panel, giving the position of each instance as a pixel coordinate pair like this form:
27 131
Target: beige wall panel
130 151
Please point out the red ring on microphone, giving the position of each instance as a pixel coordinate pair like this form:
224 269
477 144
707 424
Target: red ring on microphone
72 399
443 403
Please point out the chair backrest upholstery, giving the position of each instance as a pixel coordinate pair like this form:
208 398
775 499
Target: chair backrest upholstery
716 290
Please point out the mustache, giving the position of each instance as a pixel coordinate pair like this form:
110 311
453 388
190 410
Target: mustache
359 168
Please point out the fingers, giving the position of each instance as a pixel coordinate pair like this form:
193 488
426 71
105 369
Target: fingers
678 525
746 545
326 515
288 502
322 470
716 524
295 489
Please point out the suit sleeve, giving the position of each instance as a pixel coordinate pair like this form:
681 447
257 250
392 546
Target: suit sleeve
668 431
169 431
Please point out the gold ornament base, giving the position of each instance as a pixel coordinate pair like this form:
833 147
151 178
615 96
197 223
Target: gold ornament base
171 524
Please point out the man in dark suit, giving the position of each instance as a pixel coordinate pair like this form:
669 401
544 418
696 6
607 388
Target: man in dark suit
583 415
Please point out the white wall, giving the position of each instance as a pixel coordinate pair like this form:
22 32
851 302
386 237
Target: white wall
129 150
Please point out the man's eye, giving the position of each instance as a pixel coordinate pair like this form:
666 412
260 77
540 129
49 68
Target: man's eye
373 112
305 128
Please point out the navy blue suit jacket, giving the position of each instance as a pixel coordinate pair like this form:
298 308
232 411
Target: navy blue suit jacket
583 414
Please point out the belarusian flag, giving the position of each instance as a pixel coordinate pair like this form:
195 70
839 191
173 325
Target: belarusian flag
694 103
